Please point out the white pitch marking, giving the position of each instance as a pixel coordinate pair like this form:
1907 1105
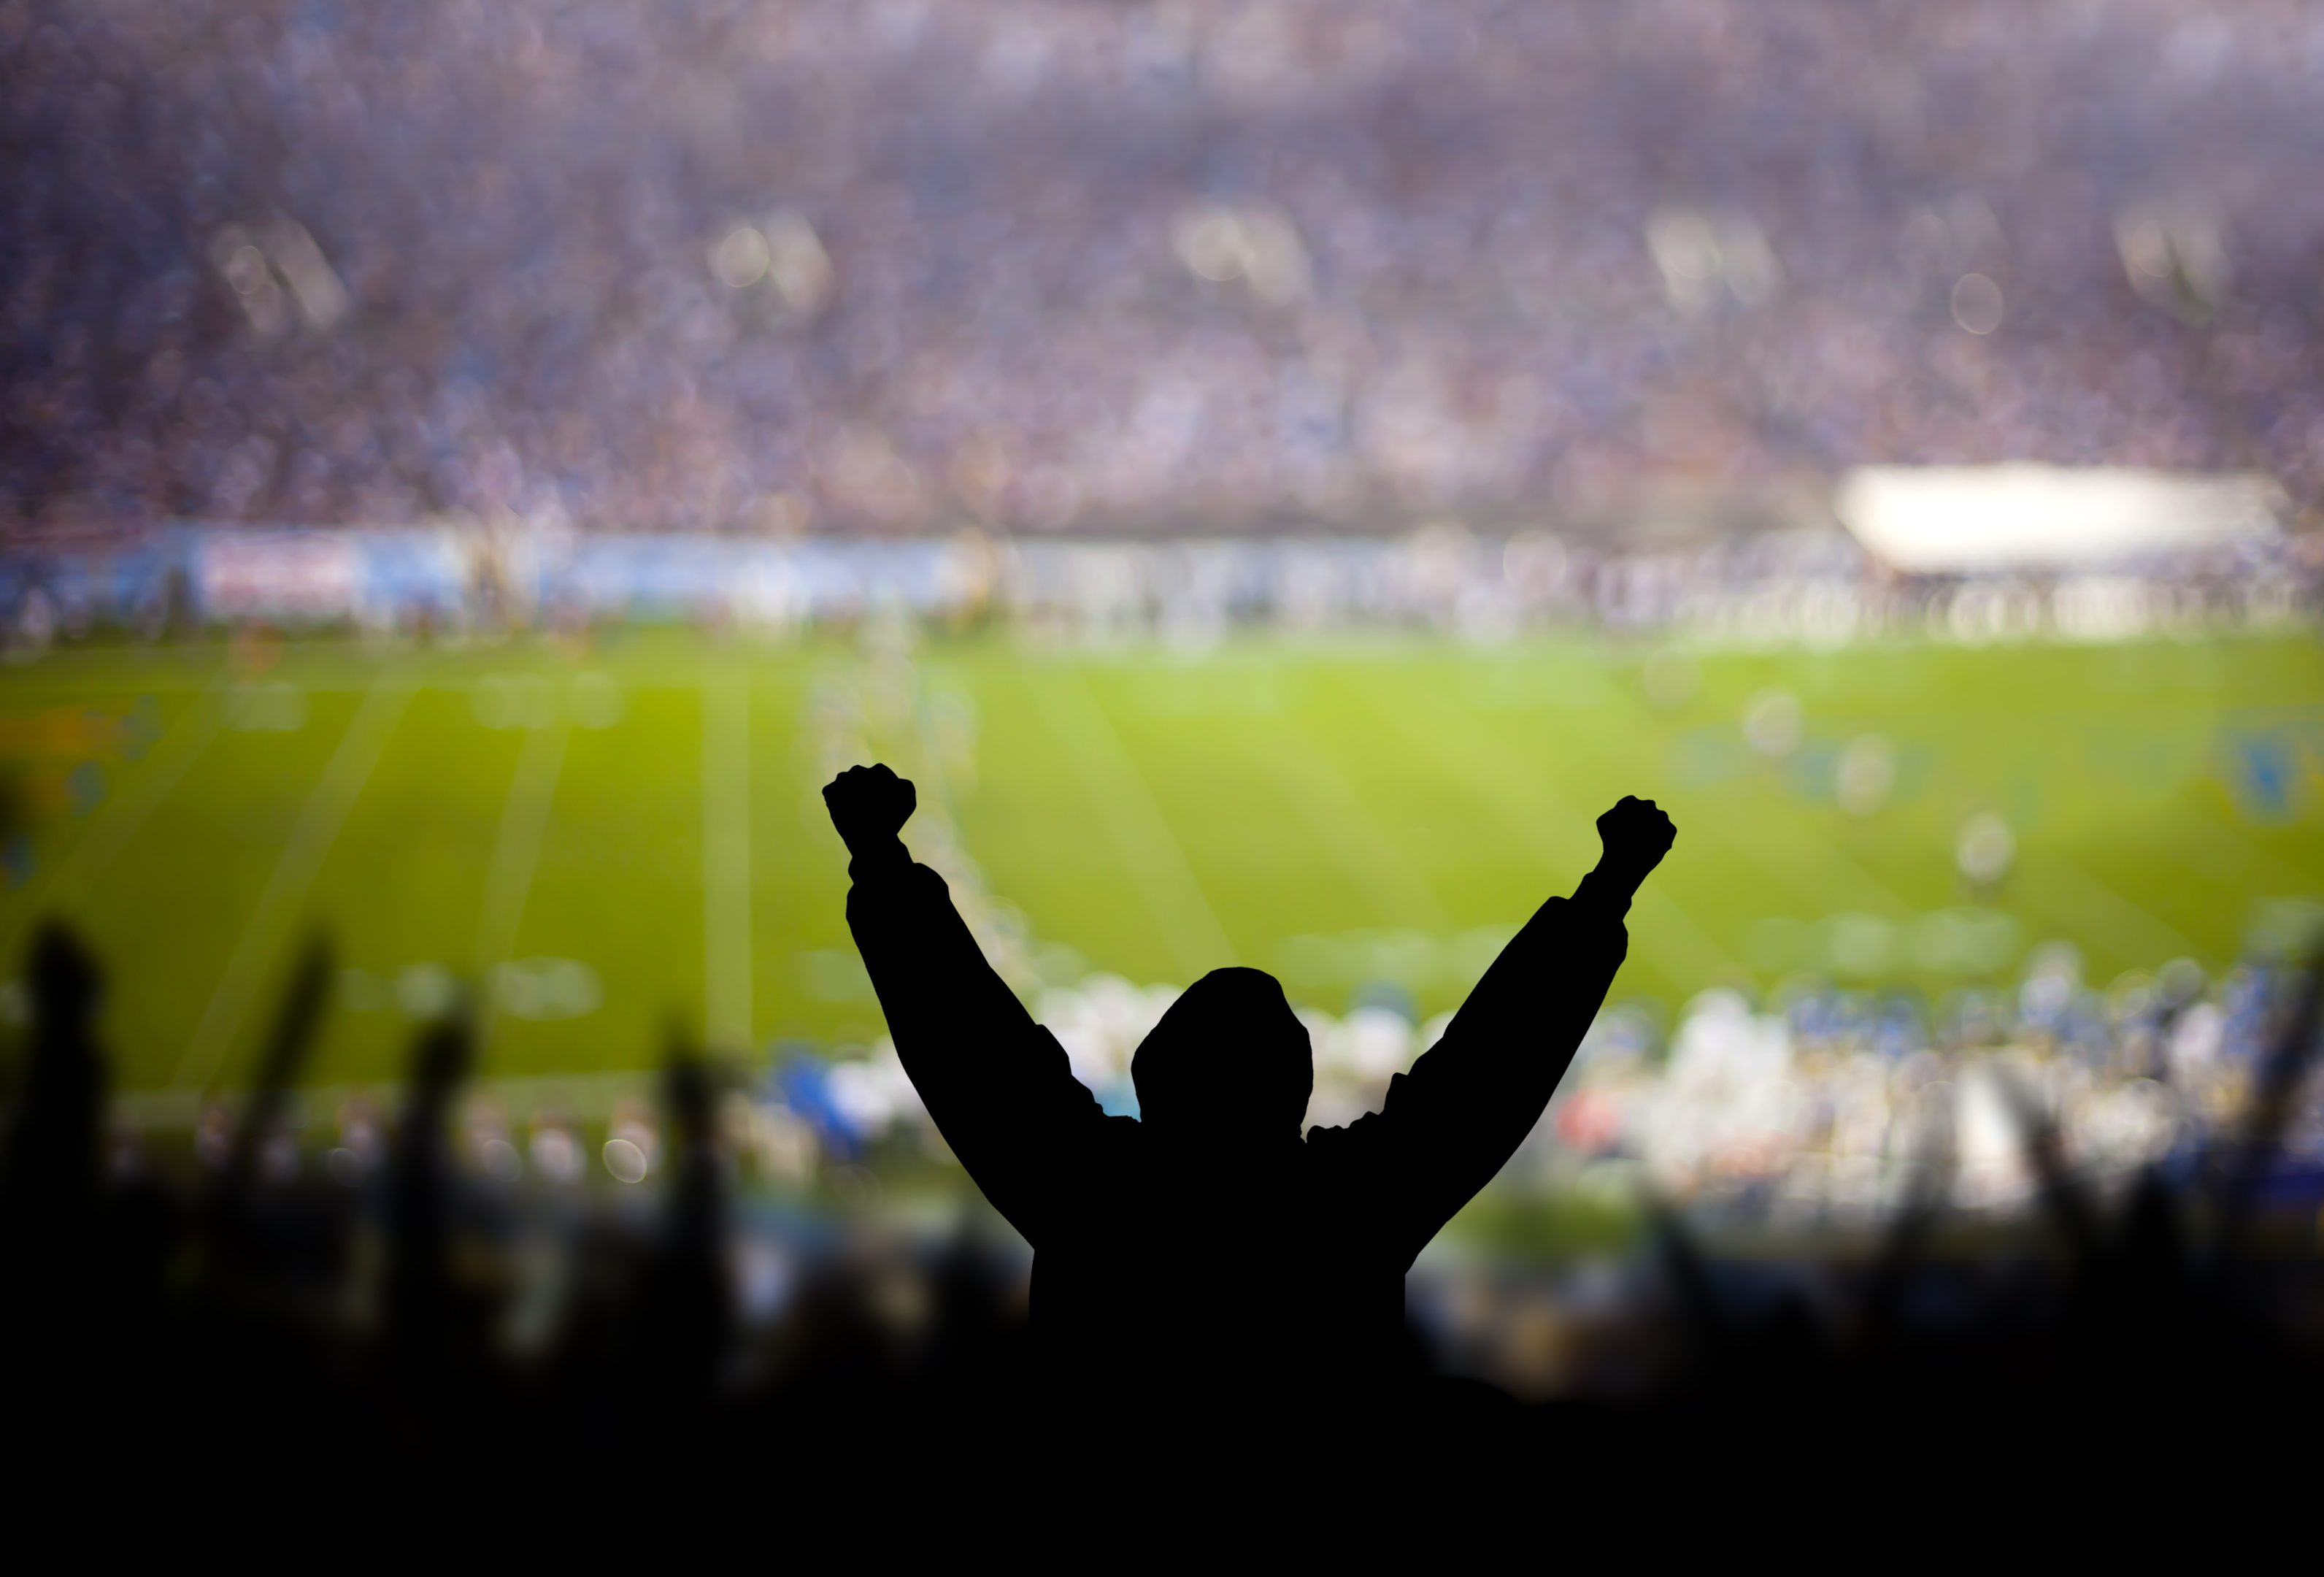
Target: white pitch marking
516 855
1158 863
318 827
727 859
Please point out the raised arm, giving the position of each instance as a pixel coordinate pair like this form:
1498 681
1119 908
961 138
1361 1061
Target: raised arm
998 1084
1456 1118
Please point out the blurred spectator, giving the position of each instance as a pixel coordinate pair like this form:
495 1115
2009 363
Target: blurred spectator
51 1179
1043 262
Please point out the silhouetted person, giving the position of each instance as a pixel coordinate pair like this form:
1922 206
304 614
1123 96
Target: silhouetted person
231 1229
1200 1262
50 1294
49 1178
426 1321
688 1305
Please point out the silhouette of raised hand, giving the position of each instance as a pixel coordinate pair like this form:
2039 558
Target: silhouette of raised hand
1636 834
65 982
868 806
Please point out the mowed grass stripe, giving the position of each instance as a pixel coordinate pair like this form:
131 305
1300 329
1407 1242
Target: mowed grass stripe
262 935
165 914
618 886
2095 913
799 866
1148 849
1781 835
1323 798
121 816
1029 822
2084 794
1807 842
1563 839
404 884
1266 873
2086 791
2135 789
2226 856
1419 810
727 858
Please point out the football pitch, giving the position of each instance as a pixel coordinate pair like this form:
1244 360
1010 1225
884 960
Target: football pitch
622 842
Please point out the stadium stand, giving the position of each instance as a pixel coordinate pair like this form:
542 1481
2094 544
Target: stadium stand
1046 264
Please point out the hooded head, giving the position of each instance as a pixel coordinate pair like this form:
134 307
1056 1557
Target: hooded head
1228 1062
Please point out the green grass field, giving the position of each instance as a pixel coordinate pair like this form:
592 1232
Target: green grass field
1338 812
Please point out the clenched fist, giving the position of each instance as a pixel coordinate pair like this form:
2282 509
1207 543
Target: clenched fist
1635 836
868 806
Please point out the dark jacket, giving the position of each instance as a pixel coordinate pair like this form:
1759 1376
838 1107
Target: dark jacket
1276 1273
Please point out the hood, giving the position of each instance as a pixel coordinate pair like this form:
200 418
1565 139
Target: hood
1228 1055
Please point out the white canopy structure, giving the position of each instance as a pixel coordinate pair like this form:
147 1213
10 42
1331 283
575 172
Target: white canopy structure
1956 519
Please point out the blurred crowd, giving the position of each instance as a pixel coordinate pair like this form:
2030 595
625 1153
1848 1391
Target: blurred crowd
1042 264
1827 1107
1821 1109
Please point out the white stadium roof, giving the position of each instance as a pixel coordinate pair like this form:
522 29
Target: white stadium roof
1938 519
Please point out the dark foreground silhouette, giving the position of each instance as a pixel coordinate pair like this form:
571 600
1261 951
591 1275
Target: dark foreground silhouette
1133 1221
193 1344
